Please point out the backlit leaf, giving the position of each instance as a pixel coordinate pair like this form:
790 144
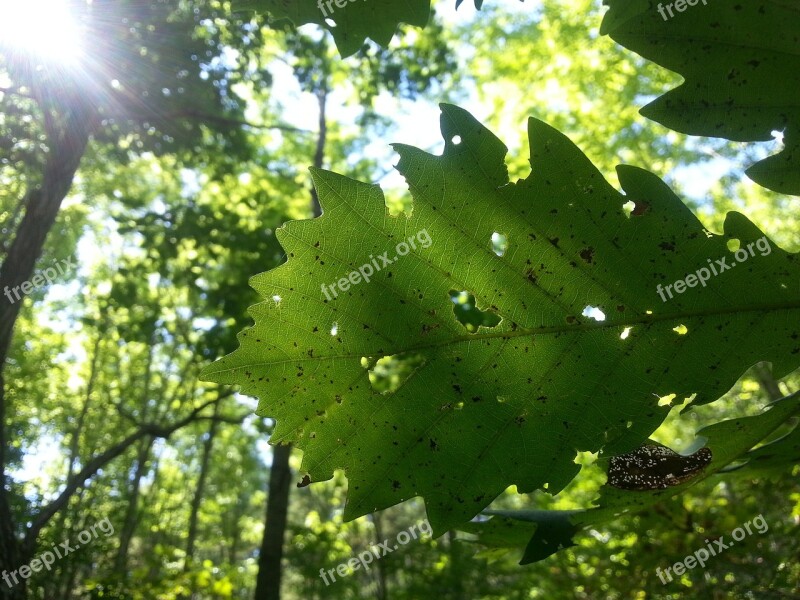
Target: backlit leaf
476 411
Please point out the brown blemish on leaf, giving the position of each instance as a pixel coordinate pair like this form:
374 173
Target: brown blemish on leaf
641 208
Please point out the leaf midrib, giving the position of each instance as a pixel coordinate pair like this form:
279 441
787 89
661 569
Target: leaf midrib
587 326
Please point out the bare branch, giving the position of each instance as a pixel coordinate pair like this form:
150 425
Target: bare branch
210 118
101 460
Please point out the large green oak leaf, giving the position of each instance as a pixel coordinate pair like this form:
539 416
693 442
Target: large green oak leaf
511 404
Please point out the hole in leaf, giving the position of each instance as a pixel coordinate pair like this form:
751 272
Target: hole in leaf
387 374
667 400
681 329
335 329
499 243
628 207
456 140
594 313
625 333
469 315
734 245
277 299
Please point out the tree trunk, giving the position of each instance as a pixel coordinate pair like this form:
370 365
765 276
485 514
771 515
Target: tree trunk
322 138
67 147
205 462
383 588
768 383
11 555
132 512
268 582
74 445
456 570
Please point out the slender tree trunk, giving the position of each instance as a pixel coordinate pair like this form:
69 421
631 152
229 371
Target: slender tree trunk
268 582
383 588
132 512
235 531
74 446
456 571
71 573
205 462
767 381
145 445
11 554
322 139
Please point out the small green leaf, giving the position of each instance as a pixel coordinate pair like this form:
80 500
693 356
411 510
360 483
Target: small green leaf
773 458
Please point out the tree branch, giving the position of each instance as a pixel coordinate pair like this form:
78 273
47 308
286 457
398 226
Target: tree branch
101 460
220 120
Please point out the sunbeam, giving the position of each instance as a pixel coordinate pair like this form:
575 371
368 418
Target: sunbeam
44 29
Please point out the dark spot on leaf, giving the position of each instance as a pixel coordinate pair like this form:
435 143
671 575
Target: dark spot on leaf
641 208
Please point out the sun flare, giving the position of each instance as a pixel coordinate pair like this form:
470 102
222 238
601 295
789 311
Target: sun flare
45 29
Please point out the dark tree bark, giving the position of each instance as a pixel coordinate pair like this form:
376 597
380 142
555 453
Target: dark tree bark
381 566
68 137
456 571
268 582
768 383
322 139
